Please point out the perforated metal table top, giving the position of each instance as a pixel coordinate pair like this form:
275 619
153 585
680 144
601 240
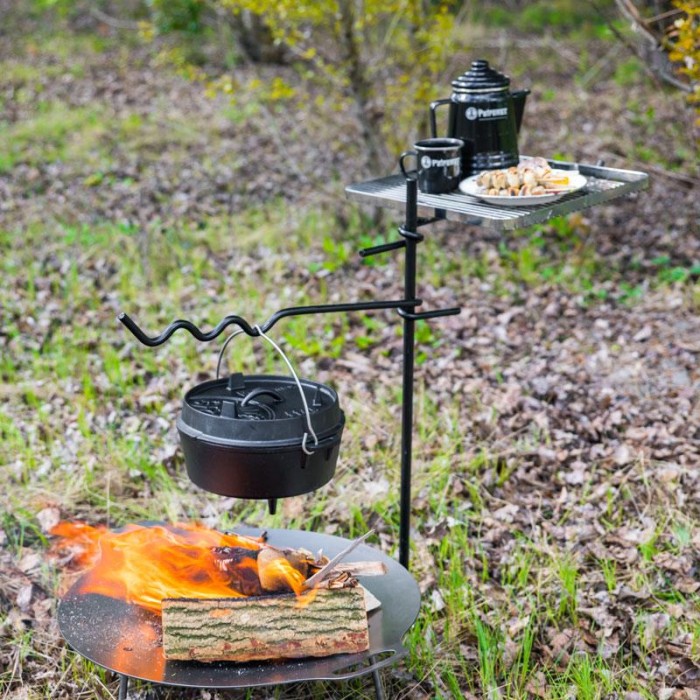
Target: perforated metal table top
603 185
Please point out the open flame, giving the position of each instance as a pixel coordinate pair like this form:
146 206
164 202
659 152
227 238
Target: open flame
142 565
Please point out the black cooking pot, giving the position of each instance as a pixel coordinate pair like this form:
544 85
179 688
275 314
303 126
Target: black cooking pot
256 436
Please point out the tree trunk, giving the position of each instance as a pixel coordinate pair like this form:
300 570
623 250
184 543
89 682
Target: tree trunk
256 40
361 89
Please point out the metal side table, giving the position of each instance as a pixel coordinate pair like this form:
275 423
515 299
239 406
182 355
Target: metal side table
396 192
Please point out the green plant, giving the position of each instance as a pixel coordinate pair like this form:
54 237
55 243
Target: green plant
683 44
489 642
523 667
176 15
674 26
648 549
628 72
609 569
560 14
568 572
53 134
589 679
682 535
555 15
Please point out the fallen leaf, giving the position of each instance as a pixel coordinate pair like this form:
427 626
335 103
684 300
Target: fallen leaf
48 518
622 455
689 675
537 685
437 601
628 595
687 585
506 513
30 562
24 597
560 645
643 334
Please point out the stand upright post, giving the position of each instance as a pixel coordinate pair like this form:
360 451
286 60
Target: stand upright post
411 236
123 687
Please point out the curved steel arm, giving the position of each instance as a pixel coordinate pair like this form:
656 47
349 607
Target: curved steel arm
153 341
188 326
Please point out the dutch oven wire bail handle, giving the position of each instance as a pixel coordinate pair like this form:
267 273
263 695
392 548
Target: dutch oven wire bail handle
279 350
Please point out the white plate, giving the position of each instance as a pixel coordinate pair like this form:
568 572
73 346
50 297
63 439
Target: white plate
576 182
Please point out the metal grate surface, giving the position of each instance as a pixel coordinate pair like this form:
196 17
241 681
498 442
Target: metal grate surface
604 185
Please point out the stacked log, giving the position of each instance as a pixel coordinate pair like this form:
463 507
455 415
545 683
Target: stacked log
320 623
290 605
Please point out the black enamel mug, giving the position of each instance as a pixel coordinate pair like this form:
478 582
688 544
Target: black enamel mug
438 164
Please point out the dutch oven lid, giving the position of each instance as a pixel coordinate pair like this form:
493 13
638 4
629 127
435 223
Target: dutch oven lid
259 409
480 78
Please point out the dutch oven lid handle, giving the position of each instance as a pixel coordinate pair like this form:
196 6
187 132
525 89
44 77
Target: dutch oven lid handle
294 375
260 391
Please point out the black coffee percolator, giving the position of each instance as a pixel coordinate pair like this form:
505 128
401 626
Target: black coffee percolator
486 115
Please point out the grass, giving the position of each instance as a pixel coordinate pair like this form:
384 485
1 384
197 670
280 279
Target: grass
561 16
122 479
56 133
87 137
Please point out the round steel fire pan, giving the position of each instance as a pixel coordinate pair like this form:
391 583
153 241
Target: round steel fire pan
126 639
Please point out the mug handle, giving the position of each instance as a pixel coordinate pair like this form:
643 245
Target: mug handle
413 175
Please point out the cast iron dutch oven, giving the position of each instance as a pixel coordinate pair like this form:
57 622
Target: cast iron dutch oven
250 436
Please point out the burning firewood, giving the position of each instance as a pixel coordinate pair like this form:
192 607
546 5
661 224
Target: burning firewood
273 570
242 566
319 623
279 573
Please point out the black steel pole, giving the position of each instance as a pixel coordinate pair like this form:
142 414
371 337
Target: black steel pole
410 227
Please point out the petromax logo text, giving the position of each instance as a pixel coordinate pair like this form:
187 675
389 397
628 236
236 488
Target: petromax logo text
473 113
428 162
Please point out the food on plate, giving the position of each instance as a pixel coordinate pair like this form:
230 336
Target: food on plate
533 176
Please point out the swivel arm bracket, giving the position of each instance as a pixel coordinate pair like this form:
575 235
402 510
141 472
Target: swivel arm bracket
252 330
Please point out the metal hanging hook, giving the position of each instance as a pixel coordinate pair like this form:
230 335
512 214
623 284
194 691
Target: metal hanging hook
223 349
261 333
301 391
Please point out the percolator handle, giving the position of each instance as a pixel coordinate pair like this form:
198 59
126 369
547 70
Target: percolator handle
433 109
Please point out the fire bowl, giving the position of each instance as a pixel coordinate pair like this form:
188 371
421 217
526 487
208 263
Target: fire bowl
126 639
